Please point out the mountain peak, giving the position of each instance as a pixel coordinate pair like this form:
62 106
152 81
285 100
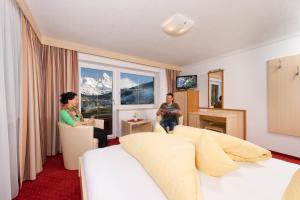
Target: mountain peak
91 86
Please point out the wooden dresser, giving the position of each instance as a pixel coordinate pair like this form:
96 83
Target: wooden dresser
229 121
188 101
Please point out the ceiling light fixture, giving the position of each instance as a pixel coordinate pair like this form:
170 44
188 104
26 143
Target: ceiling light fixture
177 25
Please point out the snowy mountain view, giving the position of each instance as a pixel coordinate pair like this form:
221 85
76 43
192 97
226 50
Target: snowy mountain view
141 94
92 86
96 92
96 95
136 89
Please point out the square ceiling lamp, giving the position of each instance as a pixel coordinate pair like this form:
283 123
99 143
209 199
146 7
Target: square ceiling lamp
177 25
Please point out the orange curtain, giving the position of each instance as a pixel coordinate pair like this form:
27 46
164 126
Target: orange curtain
61 69
171 79
31 137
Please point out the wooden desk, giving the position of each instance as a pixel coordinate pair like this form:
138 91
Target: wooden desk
232 122
136 127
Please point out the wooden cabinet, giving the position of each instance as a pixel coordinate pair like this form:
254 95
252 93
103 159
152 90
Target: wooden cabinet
188 101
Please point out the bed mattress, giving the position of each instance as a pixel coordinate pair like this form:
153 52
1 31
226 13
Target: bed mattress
112 174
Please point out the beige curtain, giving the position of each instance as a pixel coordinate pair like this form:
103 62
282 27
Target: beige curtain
30 136
171 79
46 72
61 69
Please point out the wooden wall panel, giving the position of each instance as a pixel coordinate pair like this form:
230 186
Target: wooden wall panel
193 100
284 96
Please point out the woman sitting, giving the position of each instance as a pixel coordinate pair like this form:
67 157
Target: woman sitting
70 115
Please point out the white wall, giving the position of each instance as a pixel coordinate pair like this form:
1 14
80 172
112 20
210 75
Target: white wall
245 87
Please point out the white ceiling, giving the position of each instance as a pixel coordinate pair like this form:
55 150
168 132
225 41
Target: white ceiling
133 26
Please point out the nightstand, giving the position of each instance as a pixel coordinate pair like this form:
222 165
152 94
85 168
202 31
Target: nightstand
136 127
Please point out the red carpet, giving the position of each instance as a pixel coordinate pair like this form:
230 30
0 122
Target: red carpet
54 182
113 142
57 183
287 158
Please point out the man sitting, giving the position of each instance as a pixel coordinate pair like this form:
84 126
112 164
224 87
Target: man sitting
169 112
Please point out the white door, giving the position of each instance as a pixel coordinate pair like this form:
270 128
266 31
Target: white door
97 96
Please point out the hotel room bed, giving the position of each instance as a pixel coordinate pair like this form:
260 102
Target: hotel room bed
112 174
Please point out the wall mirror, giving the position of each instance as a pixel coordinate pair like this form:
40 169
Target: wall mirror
216 88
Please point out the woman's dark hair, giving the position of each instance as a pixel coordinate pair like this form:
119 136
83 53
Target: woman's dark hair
64 97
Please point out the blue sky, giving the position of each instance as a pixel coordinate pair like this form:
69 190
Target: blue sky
139 79
94 73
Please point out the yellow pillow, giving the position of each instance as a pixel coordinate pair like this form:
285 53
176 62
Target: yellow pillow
238 149
169 160
188 132
211 159
159 129
292 192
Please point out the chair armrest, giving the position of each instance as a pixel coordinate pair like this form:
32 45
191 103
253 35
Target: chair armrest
99 123
180 120
158 118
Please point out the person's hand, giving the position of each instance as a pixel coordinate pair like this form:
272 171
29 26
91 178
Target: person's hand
89 122
174 111
164 111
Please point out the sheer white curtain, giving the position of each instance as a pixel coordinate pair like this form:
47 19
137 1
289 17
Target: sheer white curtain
163 86
9 97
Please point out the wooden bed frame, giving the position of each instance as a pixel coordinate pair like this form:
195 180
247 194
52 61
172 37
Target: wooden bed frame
82 180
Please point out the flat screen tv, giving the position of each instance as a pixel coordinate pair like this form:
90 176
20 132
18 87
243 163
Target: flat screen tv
186 82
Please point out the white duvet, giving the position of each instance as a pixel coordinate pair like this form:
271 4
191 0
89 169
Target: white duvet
112 174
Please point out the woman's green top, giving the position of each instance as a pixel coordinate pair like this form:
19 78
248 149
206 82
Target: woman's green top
66 118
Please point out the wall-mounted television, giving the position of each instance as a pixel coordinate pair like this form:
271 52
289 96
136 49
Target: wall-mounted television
186 82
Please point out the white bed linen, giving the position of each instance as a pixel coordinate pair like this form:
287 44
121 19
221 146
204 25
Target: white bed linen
112 174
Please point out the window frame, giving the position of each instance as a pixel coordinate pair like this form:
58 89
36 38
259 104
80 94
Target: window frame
119 67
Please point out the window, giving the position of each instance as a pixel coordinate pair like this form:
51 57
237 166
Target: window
136 89
96 95
108 86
